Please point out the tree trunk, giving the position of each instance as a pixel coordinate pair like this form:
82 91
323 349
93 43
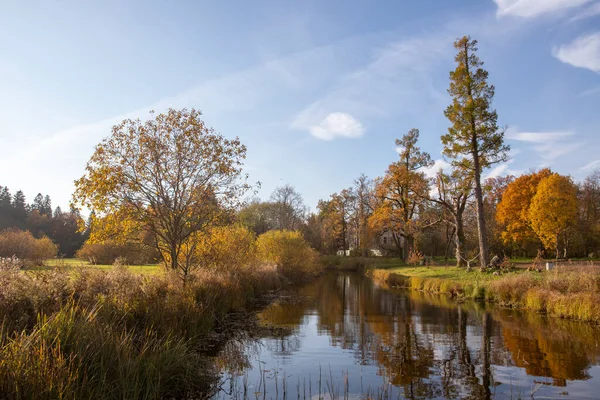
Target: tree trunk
459 241
407 245
448 242
484 257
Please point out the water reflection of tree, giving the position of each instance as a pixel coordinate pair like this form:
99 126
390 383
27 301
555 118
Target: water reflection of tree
428 345
561 350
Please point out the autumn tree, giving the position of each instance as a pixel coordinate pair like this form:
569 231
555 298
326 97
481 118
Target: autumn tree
453 192
473 142
553 211
170 176
513 210
400 192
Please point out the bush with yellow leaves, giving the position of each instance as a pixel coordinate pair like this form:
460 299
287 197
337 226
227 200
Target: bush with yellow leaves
288 250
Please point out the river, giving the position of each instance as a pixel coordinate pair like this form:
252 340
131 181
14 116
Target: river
343 336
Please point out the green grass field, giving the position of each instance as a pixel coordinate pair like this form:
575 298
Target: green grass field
446 272
73 263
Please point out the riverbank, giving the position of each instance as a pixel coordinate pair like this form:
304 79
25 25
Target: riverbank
565 292
100 334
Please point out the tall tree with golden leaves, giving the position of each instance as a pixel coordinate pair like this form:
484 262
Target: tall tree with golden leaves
553 211
170 177
473 142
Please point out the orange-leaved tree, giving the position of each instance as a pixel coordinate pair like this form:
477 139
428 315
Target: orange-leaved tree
400 193
553 211
170 176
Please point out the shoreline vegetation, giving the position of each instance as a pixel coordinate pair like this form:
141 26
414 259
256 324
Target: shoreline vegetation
103 334
71 331
570 291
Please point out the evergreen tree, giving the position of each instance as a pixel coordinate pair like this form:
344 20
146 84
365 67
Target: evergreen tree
19 210
473 142
38 203
5 198
57 212
47 206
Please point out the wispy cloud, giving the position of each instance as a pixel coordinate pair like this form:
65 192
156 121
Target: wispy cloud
590 92
548 145
537 137
591 165
534 8
397 80
583 52
588 12
337 125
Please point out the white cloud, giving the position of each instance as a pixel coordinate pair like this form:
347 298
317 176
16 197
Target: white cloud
583 52
438 165
591 165
534 8
548 145
337 125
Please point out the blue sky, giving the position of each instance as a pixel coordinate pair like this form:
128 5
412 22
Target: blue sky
317 90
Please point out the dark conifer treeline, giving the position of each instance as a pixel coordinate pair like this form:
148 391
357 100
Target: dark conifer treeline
39 218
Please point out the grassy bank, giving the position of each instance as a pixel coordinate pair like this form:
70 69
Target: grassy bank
93 333
565 292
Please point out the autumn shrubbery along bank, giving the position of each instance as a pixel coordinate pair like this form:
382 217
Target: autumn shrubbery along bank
99 334
565 292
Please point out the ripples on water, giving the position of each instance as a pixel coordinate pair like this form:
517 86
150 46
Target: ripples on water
342 336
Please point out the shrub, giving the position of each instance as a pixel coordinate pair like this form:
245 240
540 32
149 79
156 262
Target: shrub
22 244
227 248
415 257
109 251
289 252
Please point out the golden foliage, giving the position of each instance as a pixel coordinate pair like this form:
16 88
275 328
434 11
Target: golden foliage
553 209
23 245
229 248
289 252
513 209
171 176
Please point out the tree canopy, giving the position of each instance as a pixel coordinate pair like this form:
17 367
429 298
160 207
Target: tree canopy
171 176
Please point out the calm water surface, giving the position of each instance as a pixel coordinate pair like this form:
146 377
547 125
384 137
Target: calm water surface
343 336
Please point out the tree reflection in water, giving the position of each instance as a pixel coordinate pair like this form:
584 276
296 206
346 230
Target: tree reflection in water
366 337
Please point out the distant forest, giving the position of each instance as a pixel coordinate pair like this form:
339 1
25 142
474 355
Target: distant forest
38 217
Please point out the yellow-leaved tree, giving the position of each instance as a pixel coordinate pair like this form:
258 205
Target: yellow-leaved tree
513 210
169 177
553 211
